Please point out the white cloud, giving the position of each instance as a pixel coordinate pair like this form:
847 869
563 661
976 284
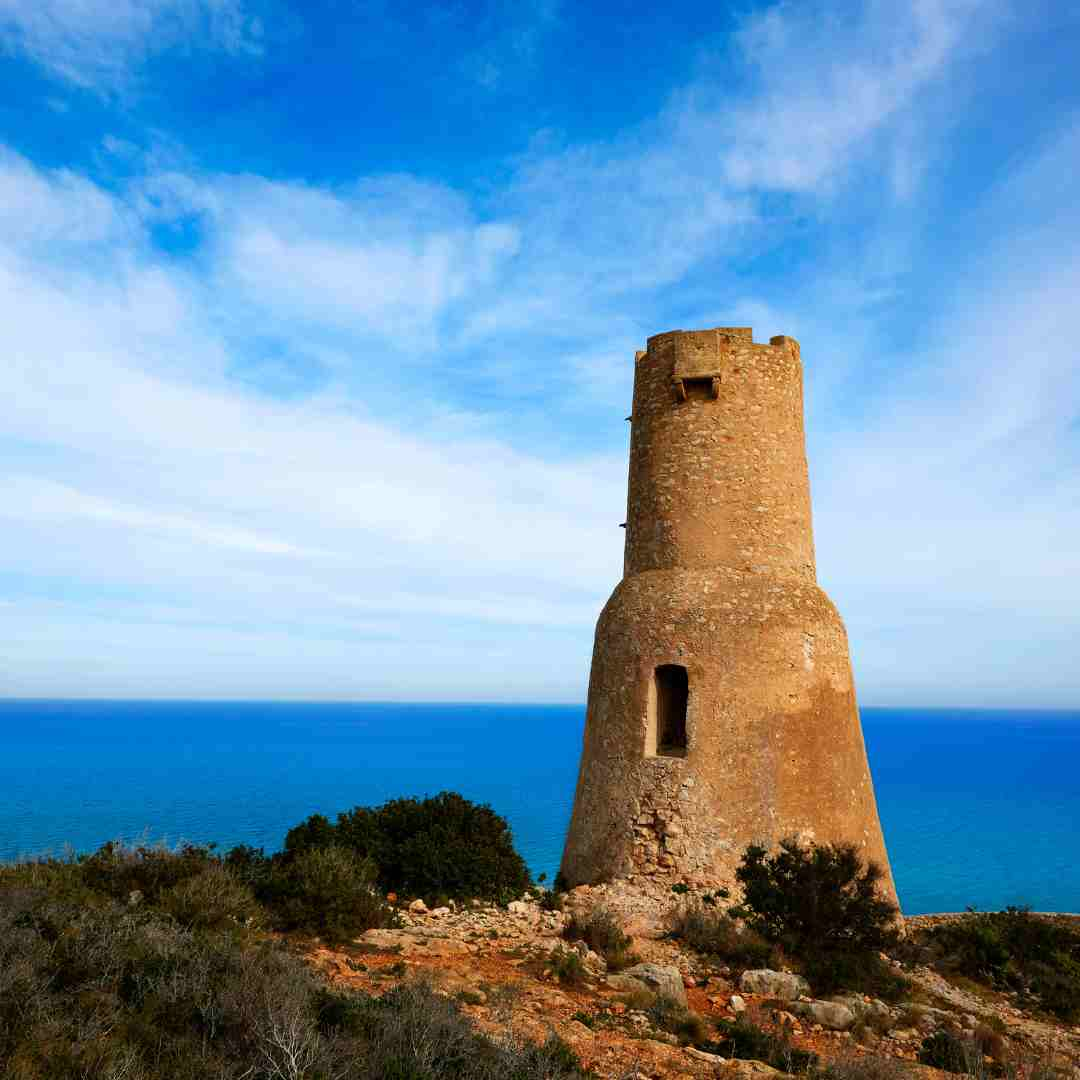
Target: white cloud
99 46
828 80
387 256
159 474
372 538
509 37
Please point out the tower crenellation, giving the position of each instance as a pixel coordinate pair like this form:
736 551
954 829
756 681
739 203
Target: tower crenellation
718 471
721 703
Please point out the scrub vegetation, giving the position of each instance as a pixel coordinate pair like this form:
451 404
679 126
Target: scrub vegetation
141 962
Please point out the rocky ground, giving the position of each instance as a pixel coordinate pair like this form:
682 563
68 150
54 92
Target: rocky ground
496 962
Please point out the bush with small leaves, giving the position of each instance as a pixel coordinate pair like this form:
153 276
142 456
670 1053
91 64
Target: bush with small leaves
672 1016
566 966
713 932
824 906
602 931
1014 950
94 986
865 1067
444 846
743 1039
550 900
214 899
145 871
328 891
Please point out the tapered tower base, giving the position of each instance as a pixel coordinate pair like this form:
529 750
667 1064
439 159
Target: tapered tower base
774 746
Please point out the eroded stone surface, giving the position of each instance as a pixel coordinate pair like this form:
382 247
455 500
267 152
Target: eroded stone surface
784 985
661 979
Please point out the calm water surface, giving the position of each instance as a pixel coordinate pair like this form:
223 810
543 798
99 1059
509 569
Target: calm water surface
978 807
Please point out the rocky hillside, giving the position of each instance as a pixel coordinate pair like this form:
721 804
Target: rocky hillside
672 1012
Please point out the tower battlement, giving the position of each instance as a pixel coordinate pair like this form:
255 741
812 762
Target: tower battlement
721 705
718 471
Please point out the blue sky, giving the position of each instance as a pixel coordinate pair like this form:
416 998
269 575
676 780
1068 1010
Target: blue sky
319 322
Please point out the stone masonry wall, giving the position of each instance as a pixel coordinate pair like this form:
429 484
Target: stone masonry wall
720 580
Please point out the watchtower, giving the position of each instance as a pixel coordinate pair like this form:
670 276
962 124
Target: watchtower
721 703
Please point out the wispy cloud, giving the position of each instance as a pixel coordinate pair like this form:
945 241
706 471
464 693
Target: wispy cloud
448 477
510 36
101 46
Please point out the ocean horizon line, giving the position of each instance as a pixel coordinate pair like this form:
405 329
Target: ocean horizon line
470 703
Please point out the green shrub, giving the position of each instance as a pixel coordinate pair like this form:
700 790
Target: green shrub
550 900
566 966
93 986
213 899
672 1016
411 1033
743 1039
142 872
833 970
711 931
440 846
866 1067
328 891
1014 950
601 930
823 906
949 1052
817 895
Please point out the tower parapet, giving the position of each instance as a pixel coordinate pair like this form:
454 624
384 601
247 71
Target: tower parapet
721 703
718 473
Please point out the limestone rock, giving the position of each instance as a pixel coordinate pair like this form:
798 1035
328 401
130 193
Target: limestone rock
748 1070
829 1014
626 984
414 943
776 984
701 1055
517 907
660 979
418 907
737 1003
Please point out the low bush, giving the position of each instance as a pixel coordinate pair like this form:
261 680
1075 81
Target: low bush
177 987
743 1039
866 1067
713 932
212 899
602 931
816 895
823 905
328 891
566 966
440 846
951 1053
831 971
1014 950
672 1016
550 900
411 1033
143 872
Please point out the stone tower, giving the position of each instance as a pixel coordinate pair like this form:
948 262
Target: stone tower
721 703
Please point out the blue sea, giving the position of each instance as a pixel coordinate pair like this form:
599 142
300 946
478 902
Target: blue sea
979 807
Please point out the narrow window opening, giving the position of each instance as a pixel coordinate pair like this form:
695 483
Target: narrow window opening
699 388
672 692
